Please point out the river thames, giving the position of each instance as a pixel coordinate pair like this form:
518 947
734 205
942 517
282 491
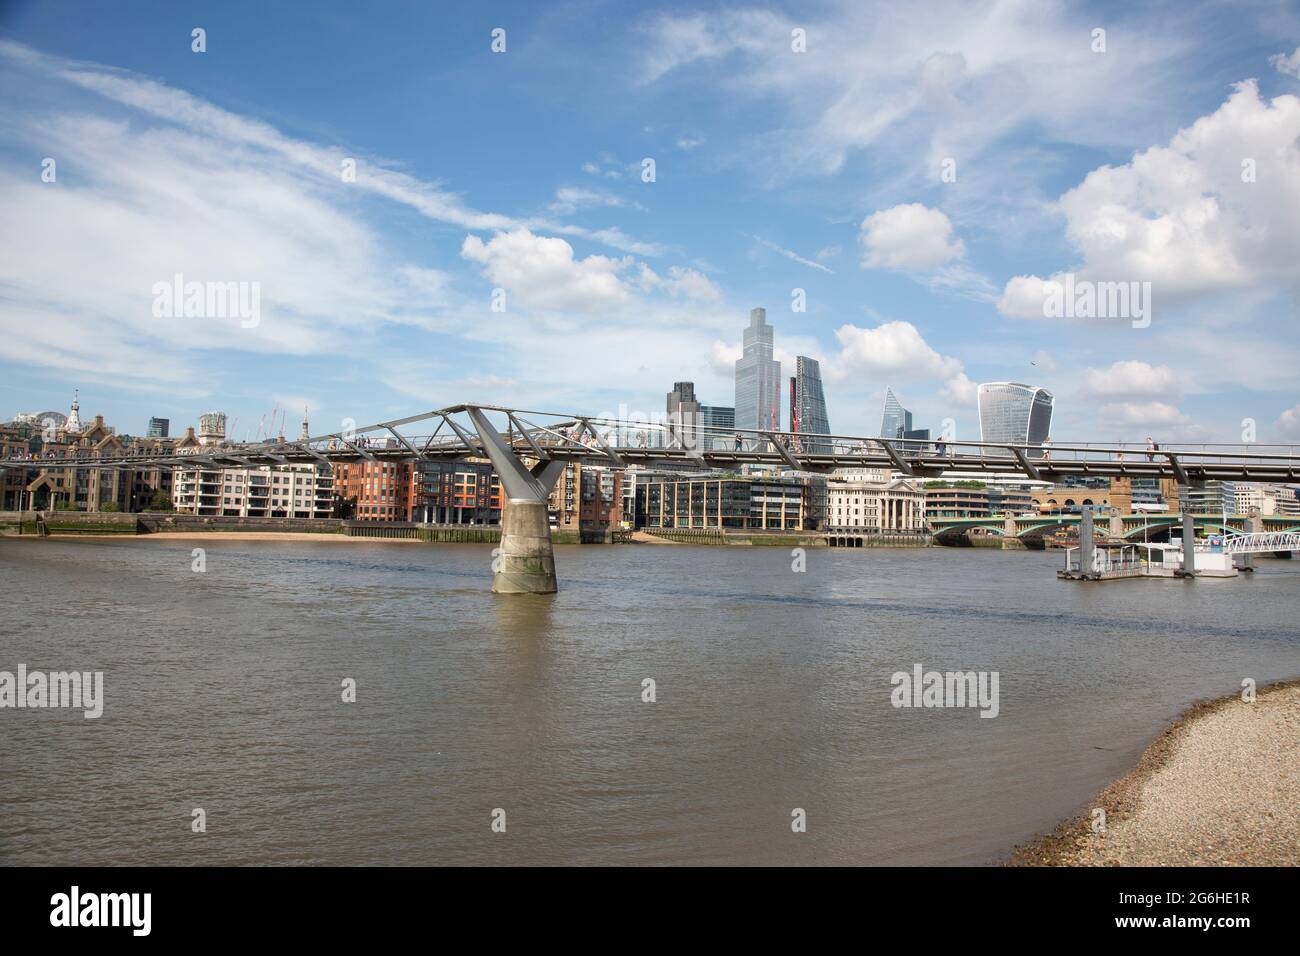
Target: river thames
223 692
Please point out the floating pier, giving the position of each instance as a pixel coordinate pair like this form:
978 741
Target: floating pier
1212 557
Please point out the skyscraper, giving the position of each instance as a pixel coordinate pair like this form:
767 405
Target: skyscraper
1014 413
717 423
683 416
808 404
896 420
158 427
758 379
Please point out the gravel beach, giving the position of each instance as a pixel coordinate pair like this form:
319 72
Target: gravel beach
1220 787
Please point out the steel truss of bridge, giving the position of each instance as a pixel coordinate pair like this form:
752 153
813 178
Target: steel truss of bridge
528 451
463 431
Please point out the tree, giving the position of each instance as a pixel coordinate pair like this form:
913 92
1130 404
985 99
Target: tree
161 501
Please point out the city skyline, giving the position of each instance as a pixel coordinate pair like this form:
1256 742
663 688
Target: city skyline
377 293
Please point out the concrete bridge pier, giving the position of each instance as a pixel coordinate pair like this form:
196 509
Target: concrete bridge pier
1087 546
1254 525
1010 539
525 563
1189 544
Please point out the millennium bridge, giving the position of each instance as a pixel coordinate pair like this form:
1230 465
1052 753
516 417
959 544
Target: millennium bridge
529 449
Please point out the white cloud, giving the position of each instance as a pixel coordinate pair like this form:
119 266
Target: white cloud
570 199
1218 208
909 238
689 142
150 202
1023 297
323 164
914 83
723 357
543 272
680 283
1290 65
1141 414
960 390
897 348
1133 379
1288 422
791 255
678 40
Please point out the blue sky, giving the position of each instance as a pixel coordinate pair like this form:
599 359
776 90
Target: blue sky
775 170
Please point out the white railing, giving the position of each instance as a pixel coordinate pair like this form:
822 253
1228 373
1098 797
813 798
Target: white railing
1261 541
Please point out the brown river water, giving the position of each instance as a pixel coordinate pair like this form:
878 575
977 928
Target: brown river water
223 691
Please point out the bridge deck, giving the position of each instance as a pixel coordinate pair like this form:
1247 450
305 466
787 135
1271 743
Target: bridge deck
564 437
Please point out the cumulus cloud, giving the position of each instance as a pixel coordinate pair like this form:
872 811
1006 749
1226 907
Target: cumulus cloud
897 348
1218 208
1023 297
1288 422
1133 379
543 272
908 237
960 390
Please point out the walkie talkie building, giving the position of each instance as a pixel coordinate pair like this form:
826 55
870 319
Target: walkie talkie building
1014 413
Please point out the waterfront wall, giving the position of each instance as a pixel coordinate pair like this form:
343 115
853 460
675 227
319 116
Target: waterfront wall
469 533
794 539
165 521
841 540
66 522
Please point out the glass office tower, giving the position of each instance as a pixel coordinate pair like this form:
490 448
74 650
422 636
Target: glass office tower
1014 413
808 404
896 420
758 379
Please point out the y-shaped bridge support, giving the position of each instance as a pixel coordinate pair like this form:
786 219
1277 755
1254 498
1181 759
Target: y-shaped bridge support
527 561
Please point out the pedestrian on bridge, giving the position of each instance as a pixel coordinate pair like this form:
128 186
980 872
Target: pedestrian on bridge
739 441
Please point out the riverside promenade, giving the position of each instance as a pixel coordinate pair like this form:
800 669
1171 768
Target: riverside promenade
1219 787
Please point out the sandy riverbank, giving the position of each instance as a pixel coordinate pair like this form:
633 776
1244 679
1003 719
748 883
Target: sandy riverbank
1220 787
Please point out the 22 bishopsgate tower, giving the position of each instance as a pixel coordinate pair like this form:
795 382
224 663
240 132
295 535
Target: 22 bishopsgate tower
758 378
